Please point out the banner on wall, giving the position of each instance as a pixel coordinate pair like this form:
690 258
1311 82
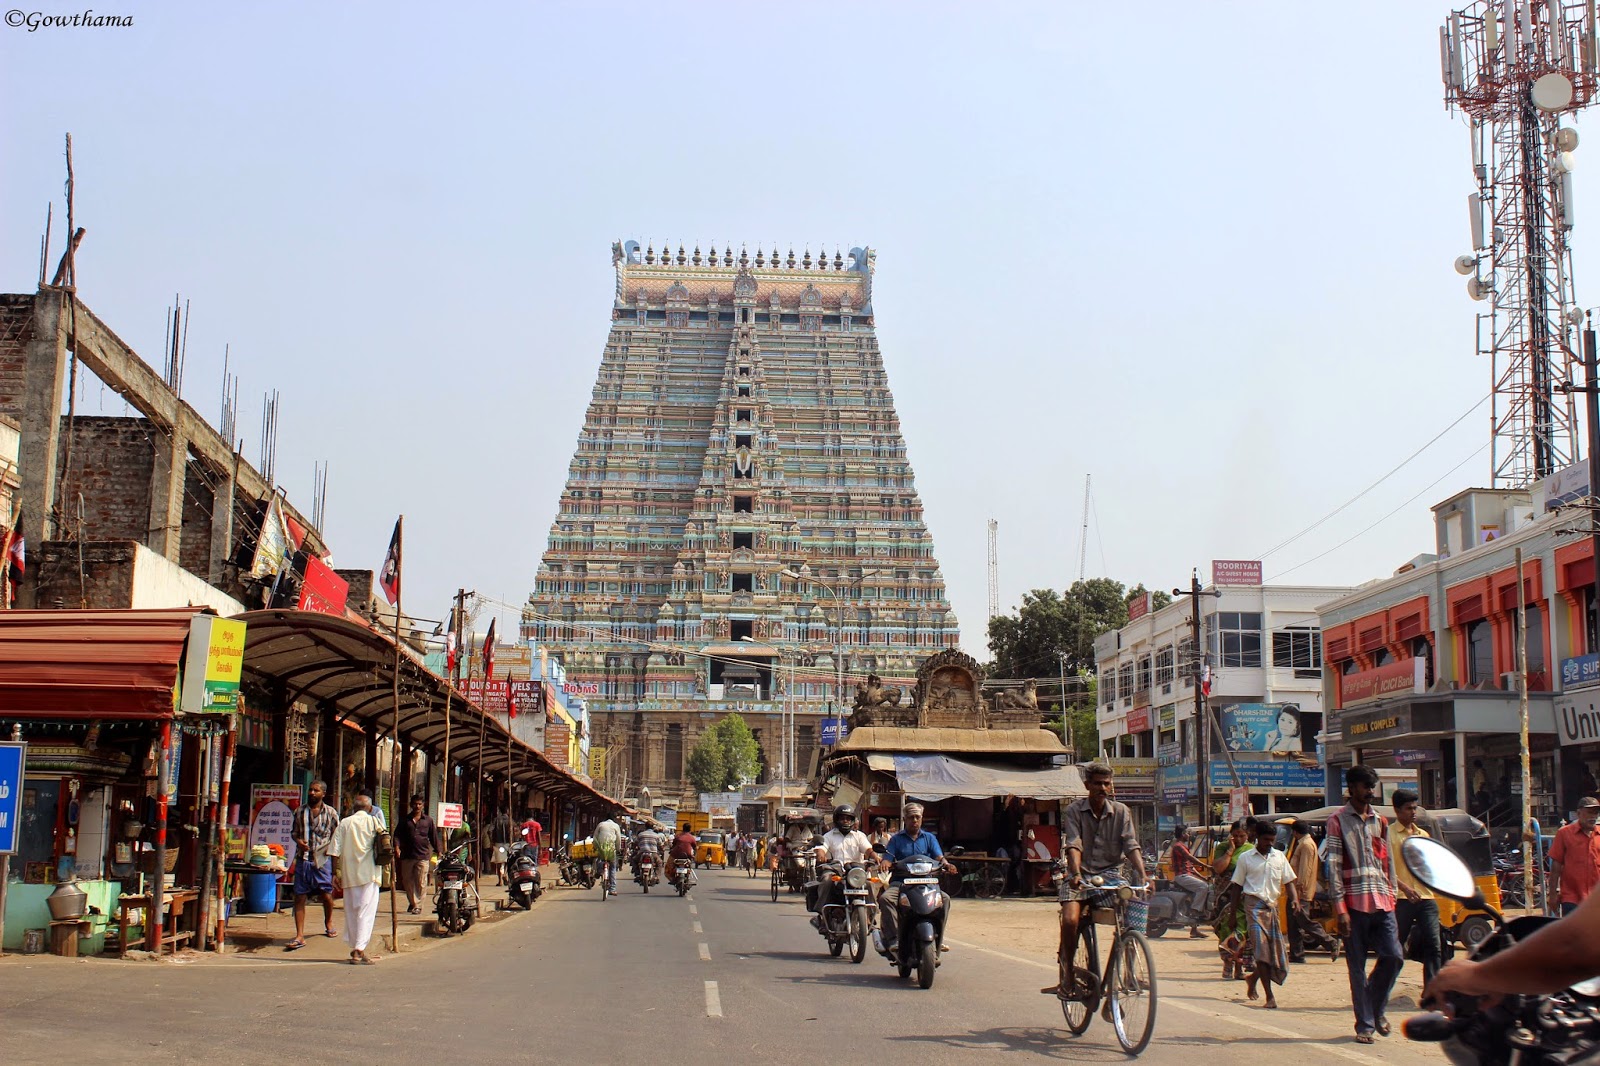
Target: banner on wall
272 810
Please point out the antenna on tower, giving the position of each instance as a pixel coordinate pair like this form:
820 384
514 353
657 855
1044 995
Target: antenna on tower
1516 69
994 569
1083 538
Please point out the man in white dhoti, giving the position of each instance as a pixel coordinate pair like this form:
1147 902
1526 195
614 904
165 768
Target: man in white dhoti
359 875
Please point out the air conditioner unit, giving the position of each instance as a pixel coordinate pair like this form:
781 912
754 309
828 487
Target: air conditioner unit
1508 681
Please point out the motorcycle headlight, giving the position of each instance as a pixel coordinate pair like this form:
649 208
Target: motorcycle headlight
856 877
919 869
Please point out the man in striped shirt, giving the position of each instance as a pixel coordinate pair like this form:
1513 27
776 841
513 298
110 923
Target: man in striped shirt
1361 881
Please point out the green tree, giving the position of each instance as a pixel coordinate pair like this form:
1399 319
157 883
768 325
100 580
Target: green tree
1158 598
706 768
726 757
1026 644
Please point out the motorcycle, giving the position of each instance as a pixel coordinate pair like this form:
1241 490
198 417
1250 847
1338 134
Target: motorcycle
850 916
1172 906
683 877
647 875
522 875
920 918
455 897
1552 1030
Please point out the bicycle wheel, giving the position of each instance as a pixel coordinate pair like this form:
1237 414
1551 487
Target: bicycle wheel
1080 1012
1131 984
774 886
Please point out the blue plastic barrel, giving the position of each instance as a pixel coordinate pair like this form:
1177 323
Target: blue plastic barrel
260 893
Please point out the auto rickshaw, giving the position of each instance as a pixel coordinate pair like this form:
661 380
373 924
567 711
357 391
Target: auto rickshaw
711 849
1463 834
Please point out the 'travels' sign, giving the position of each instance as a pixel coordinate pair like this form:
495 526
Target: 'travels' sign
1390 679
1578 719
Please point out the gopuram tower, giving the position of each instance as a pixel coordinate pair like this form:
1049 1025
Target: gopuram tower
740 529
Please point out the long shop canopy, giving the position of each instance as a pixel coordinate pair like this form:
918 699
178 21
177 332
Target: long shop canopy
99 665
939 777
348 665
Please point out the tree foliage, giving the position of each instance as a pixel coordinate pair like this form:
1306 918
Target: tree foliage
726 757
1026 644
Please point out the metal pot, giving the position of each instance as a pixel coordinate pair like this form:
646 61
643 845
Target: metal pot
68 902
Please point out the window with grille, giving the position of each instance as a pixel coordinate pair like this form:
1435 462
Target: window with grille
1235 638
1298 648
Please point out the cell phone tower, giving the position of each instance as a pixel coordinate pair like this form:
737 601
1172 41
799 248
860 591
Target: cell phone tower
1516 68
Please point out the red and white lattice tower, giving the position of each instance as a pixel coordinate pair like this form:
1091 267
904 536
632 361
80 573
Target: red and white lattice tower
1515 68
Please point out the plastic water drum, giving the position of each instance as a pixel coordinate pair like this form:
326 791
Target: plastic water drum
260 893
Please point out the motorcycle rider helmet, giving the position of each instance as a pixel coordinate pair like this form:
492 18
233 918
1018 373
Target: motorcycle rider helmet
844 817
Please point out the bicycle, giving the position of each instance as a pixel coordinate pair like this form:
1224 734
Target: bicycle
777 880
608 879
1129 975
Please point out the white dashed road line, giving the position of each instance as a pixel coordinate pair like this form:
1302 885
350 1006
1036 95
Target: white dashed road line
713 1000
693 909
705 952
697 928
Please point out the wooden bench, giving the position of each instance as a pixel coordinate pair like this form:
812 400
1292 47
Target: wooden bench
178 901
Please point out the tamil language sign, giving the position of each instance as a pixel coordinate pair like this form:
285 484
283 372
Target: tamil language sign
1391 679
12 758
1138 607
1236 571
272 810
212 666
1177 783
450 815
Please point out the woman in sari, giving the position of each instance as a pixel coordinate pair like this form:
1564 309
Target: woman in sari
1231 921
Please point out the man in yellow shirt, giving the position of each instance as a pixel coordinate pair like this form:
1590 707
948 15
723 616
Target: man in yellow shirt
1415 910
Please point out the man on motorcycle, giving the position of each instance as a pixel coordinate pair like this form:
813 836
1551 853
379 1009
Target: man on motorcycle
1096 835
683 848
647 844
1554 958
1184 873
607 836
843 844
908 843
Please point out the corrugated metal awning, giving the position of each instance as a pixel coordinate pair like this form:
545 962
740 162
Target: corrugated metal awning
92 664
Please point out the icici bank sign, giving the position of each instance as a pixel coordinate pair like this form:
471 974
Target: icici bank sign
1391 679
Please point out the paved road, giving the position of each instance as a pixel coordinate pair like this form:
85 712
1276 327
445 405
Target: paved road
724 972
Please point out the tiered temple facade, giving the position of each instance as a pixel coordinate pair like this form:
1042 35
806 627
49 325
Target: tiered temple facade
741 426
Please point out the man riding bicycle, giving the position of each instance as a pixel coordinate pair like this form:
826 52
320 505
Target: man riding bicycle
1097 833
607 836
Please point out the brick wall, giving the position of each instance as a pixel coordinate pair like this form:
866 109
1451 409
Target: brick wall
113 460
16 330
107 575
194 551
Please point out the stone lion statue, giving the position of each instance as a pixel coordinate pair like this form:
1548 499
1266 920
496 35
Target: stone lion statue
1024 699
873 694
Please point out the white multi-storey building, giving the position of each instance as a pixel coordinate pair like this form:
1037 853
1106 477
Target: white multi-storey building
1264 648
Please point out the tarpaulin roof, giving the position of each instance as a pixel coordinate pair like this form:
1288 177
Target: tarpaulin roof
948 738
939 777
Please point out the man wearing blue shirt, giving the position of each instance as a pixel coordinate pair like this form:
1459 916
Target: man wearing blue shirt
908 843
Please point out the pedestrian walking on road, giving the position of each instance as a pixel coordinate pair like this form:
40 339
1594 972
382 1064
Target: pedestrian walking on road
1261 875
1416 912
417 841
355 846
1307 866
1230 924
1575 857
1361 881
312 831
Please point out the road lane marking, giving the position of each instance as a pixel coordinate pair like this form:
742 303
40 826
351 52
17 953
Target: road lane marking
1171 1001
713 999
705 952
697 928
693 909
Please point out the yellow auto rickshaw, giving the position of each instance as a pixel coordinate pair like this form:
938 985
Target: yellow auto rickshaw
711 848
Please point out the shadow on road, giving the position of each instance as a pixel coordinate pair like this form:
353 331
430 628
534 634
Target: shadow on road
1054 1043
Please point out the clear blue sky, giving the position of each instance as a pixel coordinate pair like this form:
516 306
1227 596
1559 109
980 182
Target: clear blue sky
1202 251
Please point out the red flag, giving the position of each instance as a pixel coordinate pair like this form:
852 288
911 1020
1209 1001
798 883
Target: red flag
450 652
511 699
17 557
488 652
389 576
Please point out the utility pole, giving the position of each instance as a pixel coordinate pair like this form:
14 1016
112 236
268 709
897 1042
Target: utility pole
1067 736
1201 713
458 619
1591 395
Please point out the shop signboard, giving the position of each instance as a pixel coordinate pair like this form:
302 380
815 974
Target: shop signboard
1238 803
272 810
834 730
1139 720
1178 785
1578 718
1168 822
720 804
1169 754
321 589
1381 682
1580 670
1268 727
581 688
1138 607
212 666
1360 730
1128 793
1236 571
597 762
1413 757
1168 716
450 815
12 757
558 744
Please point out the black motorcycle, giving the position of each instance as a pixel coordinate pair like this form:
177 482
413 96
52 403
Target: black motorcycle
683 875
455 894
1555 1030
849 915
1172 906
919 919
523 883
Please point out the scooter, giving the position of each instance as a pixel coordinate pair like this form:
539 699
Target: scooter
1549 1030
455 897
920 918
851 915
522 875
1172 906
